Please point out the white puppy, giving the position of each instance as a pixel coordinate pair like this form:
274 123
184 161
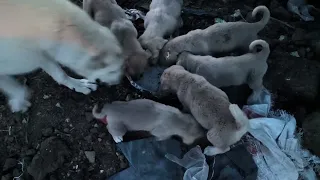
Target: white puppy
218 38
160 120
45 33
162 20
231 70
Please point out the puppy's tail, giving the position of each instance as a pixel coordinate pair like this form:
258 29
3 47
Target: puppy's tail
265 47
241 119
265 18
96 114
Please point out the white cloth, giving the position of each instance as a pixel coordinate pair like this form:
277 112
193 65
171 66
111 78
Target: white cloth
275 147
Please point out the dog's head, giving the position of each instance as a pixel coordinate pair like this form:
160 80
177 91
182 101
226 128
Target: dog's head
169 76
107 63
137 63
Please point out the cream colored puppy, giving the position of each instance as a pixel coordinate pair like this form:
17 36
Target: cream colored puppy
162 20
231 70
210 106
218 38
108 13
46 33
160 120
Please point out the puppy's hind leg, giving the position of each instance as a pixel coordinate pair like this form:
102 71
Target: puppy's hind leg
56 72
255 82
117 131
17 94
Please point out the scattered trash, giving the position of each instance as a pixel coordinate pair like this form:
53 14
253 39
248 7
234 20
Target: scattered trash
300 8
219 20
134 14
91 156
147 160
295 54
282 37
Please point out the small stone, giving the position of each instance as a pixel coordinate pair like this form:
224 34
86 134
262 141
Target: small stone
95 125
94 130
295 54
91 155
67 120
58 105
66 130
128 97
89 116
302 52
99 139
10 163
46 96
30 152
47 132
88 138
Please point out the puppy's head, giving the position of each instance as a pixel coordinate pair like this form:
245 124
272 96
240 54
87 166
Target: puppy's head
136 63
168 55
153 45
169 76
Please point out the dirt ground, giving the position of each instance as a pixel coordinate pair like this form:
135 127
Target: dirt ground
60 128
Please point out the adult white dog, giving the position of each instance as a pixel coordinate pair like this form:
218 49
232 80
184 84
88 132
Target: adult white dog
48 33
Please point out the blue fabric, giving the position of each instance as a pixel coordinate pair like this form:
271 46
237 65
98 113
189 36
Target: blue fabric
147 160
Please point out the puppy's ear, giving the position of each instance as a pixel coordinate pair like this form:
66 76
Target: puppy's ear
87 7
239 116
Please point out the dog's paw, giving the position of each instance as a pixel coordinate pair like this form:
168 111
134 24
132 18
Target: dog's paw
83 86
212 151
19 105
117 139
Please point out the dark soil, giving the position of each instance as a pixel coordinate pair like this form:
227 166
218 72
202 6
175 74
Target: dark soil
60 128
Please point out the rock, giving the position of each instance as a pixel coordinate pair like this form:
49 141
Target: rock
66 130
30 152
311 135
302 52
52 156
91 155
10 163
88 138
47 132
89 116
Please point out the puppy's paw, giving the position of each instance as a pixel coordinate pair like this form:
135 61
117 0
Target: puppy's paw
83 86
117 139
19 105
212 151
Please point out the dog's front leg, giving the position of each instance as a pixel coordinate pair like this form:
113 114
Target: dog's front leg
17 94
56 72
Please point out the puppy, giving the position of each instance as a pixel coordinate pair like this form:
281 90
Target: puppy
210 106
231 70
46 33
162 19
218 38
160 120
109 14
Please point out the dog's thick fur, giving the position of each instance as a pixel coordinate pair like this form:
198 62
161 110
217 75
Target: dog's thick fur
109 14
231 70
218 38
162 20
160 120
209 105
45 33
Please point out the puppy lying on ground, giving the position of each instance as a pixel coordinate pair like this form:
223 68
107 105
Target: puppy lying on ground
46 33
231 70
209 105
160 120
162 19
108 13
218 38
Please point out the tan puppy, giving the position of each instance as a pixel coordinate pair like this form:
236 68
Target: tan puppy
45 33
160 120
108 13
231 70
209 105
162 19
218 38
